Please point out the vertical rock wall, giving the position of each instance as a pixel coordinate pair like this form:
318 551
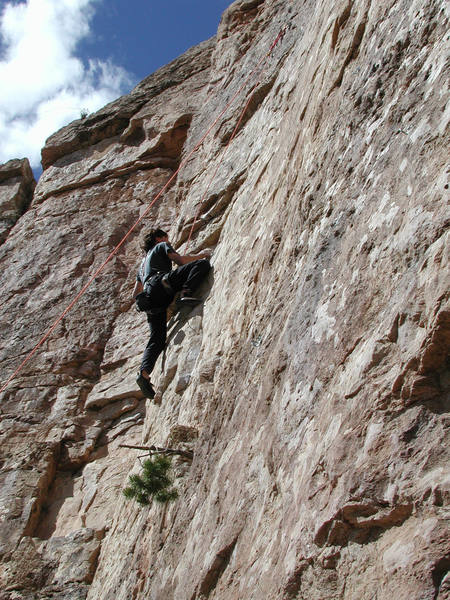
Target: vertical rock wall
17 184
313 383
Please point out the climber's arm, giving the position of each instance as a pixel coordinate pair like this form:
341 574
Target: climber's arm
184 259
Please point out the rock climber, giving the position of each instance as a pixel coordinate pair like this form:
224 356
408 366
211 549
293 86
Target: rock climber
156 277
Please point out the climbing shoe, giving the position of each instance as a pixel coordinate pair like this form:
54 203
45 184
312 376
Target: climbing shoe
145 386
187 297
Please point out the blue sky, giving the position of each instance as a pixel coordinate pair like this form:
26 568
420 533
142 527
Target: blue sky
61 57
152 32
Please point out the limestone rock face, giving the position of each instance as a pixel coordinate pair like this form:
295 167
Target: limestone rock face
17 184
312 384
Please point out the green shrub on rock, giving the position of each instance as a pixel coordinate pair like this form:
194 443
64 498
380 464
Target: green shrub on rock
154 482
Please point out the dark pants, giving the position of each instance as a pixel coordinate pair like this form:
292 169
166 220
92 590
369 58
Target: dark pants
185 278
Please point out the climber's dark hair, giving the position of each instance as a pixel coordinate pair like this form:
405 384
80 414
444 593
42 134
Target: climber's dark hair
150 238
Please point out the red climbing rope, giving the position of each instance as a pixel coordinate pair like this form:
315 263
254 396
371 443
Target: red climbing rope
147 210
251 93
218 166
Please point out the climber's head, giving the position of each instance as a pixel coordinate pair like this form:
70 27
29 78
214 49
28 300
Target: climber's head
155 236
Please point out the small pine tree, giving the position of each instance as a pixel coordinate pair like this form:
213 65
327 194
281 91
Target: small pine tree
154 482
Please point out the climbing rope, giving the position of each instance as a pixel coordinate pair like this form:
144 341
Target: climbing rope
219 164
147 210
250 96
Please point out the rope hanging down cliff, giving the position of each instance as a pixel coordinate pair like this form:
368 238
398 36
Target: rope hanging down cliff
235 130
258 69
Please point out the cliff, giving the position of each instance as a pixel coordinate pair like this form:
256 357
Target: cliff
312 385
17 184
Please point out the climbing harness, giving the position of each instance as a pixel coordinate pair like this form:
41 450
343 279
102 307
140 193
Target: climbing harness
259 68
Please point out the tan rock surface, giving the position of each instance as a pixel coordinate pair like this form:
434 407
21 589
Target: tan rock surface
316 372
17 184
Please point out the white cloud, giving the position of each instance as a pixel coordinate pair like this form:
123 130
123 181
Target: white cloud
43 84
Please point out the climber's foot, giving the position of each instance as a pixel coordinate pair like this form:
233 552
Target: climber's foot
145 385
186 297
